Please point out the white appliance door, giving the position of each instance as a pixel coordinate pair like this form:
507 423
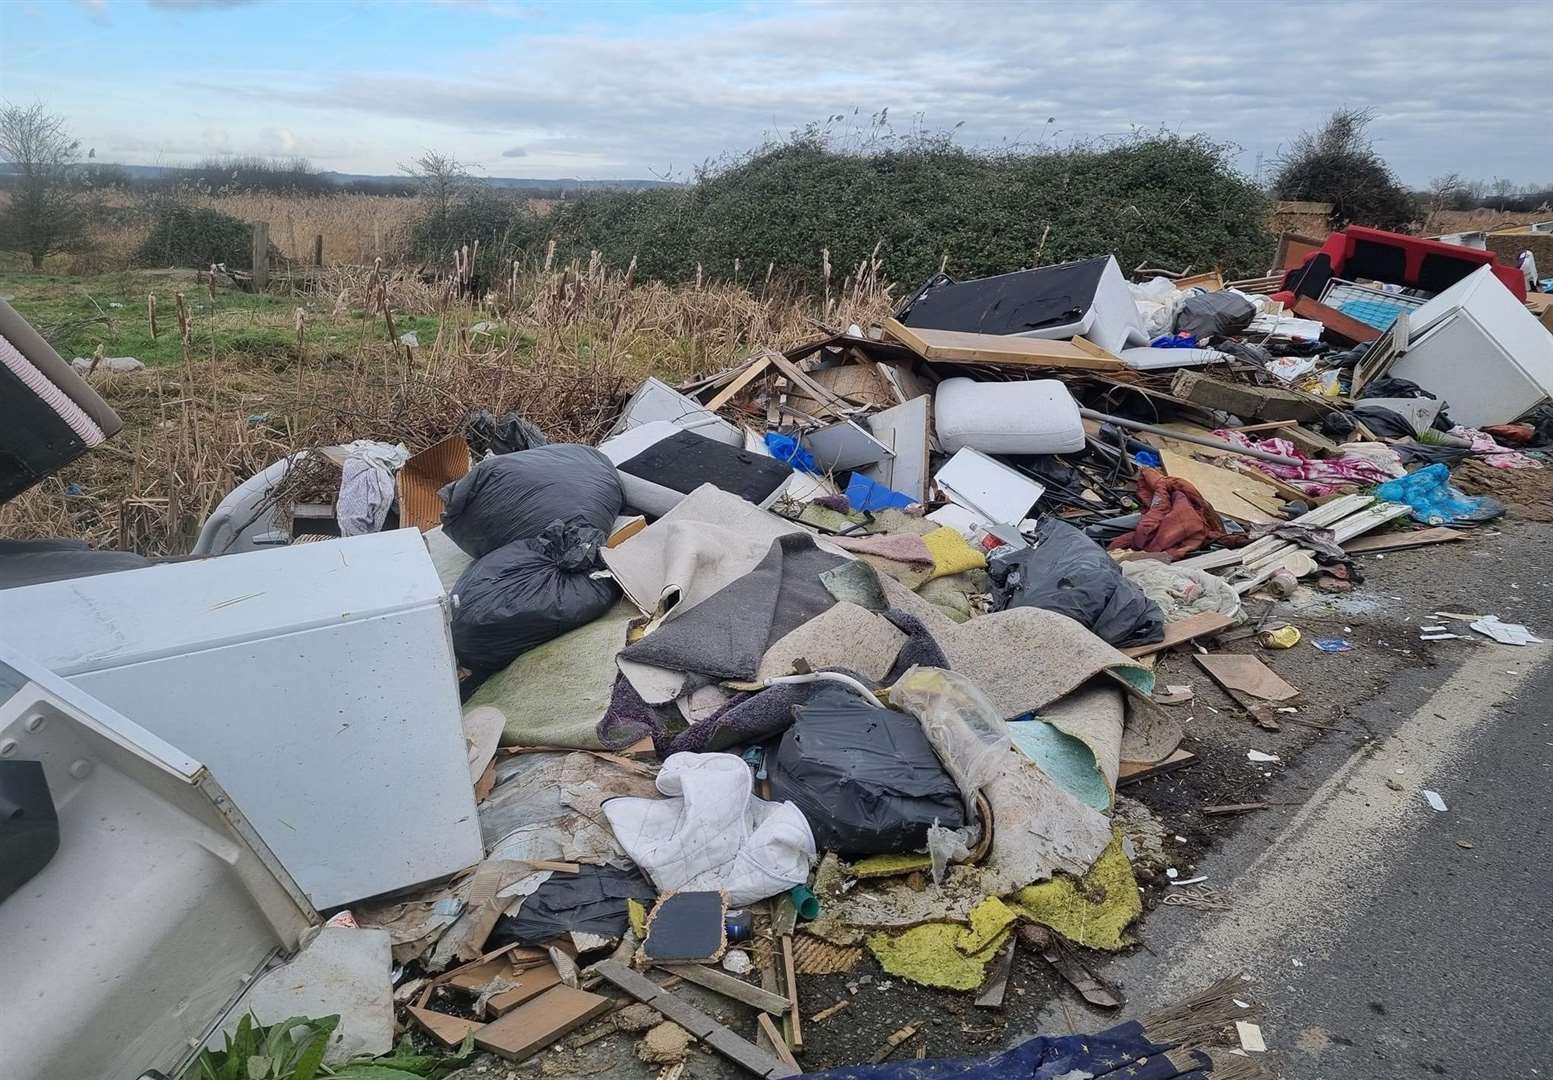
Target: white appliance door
130 942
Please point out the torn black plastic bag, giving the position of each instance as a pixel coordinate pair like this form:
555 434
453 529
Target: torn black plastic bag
528 592
726 634
1070 574
1214 315
508 435
515 496
866 778
591 901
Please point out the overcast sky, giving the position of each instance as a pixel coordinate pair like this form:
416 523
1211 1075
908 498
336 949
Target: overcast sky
650 88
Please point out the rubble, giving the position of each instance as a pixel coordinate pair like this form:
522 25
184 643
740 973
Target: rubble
849 646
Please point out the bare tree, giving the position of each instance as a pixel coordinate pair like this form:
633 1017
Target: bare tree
1502 189
44 214
442 180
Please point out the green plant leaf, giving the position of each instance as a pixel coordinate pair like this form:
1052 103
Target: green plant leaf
368 1071
312 1055
258 1067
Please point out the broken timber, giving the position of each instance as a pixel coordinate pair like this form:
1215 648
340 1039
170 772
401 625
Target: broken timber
1002 350
693 1020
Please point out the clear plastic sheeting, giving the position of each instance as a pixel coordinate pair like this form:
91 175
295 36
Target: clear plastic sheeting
966 733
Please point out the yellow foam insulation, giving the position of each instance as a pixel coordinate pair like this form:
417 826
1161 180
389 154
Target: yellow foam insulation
1094 910
877 866
951 553
928 955
988 919
636 914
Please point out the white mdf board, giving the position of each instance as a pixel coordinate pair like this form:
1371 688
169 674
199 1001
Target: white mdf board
988 487
316 682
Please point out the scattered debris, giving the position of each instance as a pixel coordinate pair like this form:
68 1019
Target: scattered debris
1436 803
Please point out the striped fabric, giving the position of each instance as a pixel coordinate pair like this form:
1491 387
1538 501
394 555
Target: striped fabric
51 395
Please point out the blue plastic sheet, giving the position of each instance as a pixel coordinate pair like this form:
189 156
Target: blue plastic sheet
1115 1052
1174 341
785 448
864 494
1434 501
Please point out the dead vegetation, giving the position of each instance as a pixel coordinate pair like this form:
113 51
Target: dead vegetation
558 344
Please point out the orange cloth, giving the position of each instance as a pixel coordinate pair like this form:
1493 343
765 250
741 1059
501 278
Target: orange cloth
1176 519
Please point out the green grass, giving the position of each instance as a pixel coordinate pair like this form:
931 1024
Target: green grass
77 314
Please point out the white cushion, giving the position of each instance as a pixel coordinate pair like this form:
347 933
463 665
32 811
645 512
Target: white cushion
1037 416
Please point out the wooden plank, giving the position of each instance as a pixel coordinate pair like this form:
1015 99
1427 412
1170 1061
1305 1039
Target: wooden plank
476 976
1345 326
828 401
778 1044
693 1020
1193 626
1397 541
750 373
1212 281
730 986
525 987
794 1019
1131 772
1229 809
1006 350
446 1029
530 1028
1246 674
1221 487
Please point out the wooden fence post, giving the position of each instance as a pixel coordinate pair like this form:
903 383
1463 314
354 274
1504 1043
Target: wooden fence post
318 250
261 256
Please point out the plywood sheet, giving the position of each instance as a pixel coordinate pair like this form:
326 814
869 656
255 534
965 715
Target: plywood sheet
1396 541
1238 672
1193 626
1001 350
530 1028
1222 487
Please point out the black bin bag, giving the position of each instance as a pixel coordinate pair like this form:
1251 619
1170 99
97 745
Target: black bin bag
514 496
522 595
866 778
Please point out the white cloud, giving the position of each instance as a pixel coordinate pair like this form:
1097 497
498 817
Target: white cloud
621 96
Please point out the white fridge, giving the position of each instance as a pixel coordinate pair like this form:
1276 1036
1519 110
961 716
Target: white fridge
316 682
1476 347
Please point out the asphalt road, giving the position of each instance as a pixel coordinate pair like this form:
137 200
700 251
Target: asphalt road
1386 939
1447 970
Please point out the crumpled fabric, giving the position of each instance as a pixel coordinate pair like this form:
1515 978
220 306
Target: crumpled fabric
1181 591
1177 521
367 485
1313 476
712 833
1488 450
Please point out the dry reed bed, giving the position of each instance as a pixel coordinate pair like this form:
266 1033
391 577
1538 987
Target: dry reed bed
562 346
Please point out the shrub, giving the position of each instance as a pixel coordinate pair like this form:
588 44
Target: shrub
1338 164
195 236
1163 200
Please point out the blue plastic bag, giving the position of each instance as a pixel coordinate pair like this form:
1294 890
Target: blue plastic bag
864 494
1434 501
785 448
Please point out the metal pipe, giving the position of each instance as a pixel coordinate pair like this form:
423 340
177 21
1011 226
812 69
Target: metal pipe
1197 440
